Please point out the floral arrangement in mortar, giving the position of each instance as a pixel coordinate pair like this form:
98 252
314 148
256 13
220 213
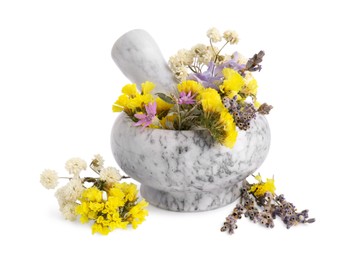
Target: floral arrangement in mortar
103 200
260 204
215 92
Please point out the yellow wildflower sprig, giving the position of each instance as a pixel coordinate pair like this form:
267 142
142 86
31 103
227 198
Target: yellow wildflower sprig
103 200
259 189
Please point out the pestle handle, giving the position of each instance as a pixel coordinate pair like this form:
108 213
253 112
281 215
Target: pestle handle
139 58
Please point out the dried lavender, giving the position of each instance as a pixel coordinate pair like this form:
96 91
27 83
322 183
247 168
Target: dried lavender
243 113
264 209
253 64
264 109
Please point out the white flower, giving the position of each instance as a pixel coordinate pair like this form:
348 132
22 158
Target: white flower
214 35
199 50
203 53
97 162
231 37
182 58
75 166
69 210
49 179
110 175
181 73
70 192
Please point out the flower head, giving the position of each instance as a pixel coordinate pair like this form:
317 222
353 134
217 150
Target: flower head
190 86
259 189
110 175
186 99
231 37
70 192
97 162
233 82
146 119
214 35
75 166
49 179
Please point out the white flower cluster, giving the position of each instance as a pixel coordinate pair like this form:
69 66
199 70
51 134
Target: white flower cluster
110 175
200 55
68 195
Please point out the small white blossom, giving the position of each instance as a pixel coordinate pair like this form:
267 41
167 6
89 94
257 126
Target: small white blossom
199 50
110 175
97 162
70 192
49 179
75 166
181 59
214 35
69 210
231 37
181 73
204 54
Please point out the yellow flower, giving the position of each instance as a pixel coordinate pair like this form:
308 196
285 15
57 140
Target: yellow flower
162 106
168 121
92 194
132 100
138 213
130 90
210 100
147 87
233 82
121 103
139 101
250 88
96 206
99 228
259 189
190 86
230 133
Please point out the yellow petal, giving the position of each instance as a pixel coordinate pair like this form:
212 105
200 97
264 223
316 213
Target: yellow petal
130 90
147 87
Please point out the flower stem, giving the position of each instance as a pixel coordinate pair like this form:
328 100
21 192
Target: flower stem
217 55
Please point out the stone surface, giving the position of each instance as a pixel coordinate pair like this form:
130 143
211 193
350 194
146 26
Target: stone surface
187 170
140 59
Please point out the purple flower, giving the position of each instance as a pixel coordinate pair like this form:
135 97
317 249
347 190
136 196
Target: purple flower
146 119
186 99
213 77
207 78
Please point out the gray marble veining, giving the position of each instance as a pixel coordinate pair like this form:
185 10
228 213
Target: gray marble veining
187 170
140 59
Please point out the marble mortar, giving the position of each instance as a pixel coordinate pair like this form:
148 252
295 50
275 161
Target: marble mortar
188 170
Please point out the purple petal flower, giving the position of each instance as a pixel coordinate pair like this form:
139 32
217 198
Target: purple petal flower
207 78
186 99
213 77
146 119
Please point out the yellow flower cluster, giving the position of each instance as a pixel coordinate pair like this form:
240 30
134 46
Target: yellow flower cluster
190 86
220 122
115 208
131 100
235 85
259 189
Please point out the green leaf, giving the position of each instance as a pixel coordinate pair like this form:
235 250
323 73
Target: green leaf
166 98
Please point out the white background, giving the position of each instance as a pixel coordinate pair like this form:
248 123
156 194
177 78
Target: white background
58 83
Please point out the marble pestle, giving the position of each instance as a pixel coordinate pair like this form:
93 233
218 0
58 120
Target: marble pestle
139 58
